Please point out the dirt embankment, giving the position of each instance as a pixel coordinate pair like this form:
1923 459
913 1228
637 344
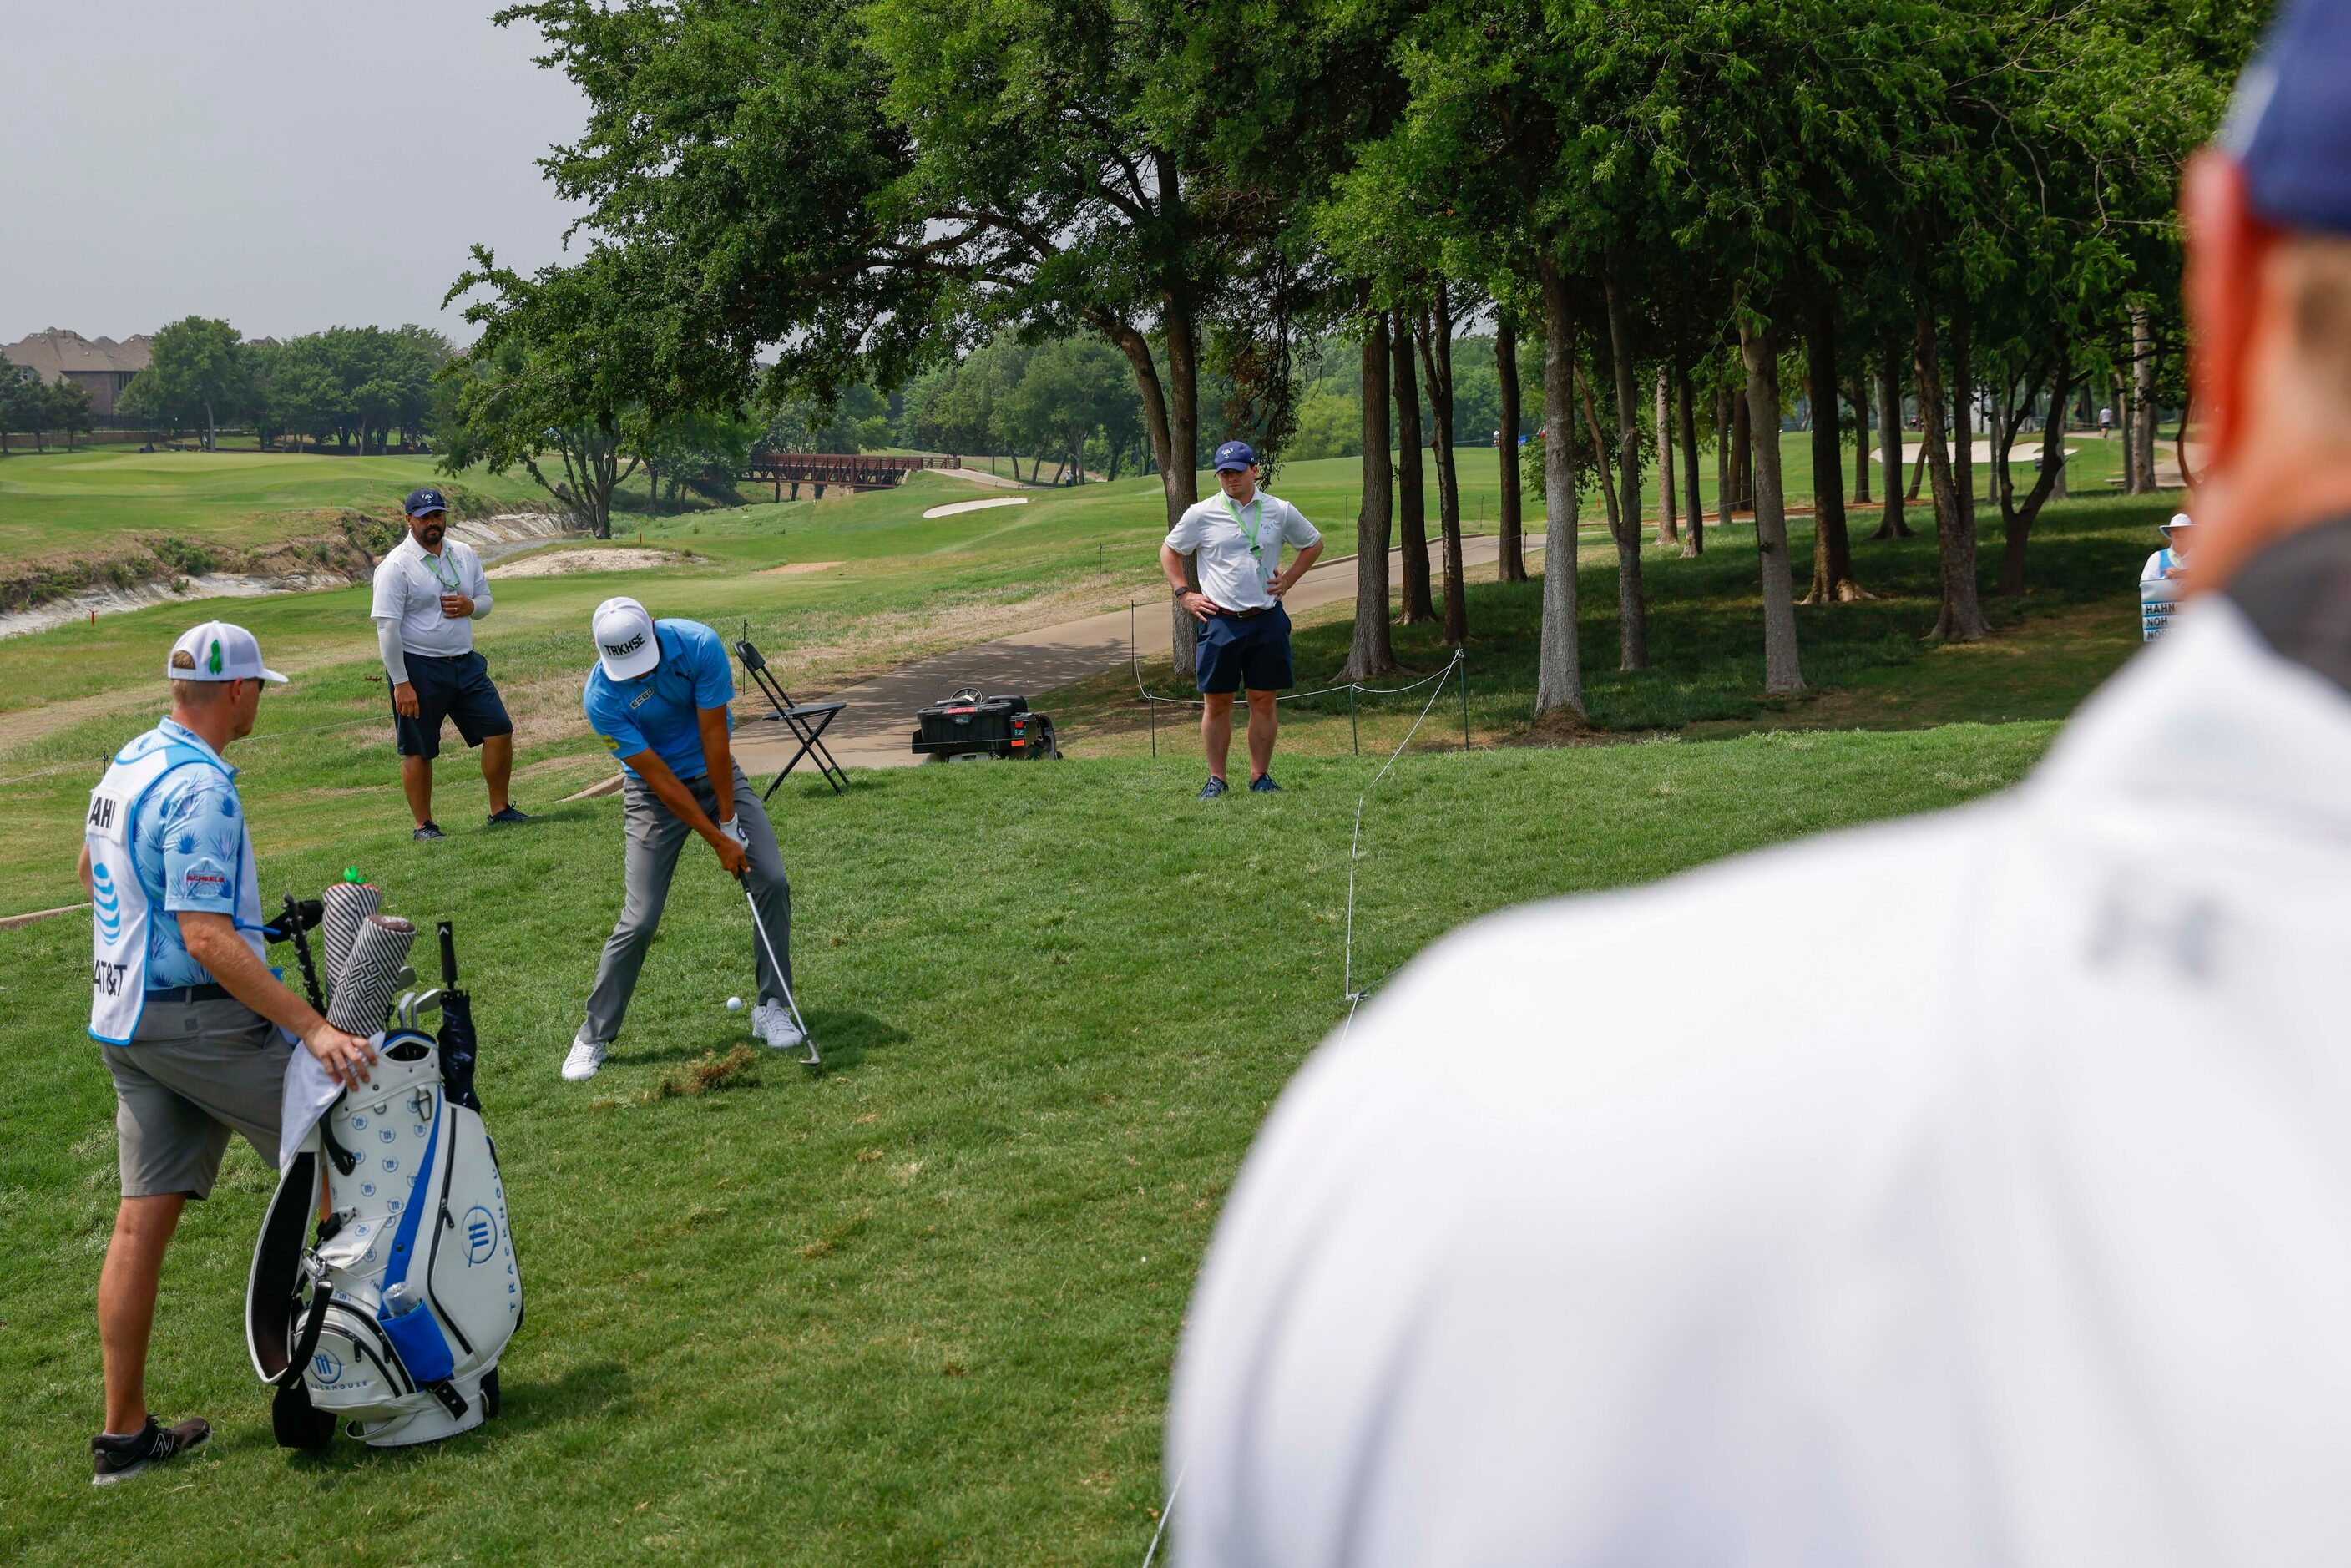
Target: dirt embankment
334 549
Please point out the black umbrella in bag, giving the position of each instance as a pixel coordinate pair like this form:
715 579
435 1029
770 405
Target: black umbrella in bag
457 1028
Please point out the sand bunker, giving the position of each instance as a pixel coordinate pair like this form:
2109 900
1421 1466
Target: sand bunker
570 562
950 511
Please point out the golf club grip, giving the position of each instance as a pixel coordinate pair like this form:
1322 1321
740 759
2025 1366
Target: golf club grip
302 954
448 957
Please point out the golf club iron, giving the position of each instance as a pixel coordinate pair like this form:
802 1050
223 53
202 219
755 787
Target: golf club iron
810 1059
411 1005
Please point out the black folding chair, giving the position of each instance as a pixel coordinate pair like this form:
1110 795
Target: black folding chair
807 721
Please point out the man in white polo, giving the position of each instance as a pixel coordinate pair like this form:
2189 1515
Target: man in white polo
1244 644
429 591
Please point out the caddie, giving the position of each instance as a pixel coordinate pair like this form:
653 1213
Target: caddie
2030 1246
429 591
1244 643
192 1024
658 699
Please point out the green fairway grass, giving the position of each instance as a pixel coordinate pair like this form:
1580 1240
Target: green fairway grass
62 504
916 1306
89 501
907 586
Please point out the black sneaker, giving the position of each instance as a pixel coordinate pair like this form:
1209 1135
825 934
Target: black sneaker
428 832
118 1459
1213 788
507 814
1263 784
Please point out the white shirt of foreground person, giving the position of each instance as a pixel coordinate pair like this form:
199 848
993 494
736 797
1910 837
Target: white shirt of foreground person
1979 1191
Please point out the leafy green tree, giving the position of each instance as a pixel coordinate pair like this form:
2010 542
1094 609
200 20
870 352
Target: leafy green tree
24 401
561 369
68 408
197 370
703 451
1330 424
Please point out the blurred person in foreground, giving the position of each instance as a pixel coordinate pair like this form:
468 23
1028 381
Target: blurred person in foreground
2027 1241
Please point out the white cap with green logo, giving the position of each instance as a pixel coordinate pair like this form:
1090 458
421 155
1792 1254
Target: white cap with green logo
218 651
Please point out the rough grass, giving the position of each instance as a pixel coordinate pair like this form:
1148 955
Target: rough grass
914 1306
1868 663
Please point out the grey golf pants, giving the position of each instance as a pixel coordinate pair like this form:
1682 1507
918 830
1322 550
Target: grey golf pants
656 838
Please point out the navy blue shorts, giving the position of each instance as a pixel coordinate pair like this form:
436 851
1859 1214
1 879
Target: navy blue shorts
454 688
1252 652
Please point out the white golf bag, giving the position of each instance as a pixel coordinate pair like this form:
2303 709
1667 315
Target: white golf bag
393 1320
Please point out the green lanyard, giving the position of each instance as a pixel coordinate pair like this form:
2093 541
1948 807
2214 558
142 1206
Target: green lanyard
1257 505
432 564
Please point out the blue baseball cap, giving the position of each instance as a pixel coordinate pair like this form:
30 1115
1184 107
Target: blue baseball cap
1235 455
428 499
2289 126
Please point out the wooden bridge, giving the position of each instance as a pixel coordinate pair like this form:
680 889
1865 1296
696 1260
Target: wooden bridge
858 470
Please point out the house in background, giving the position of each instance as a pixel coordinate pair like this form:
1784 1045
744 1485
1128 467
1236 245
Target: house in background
102 365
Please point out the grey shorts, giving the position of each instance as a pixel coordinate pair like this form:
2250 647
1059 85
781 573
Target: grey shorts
194 1073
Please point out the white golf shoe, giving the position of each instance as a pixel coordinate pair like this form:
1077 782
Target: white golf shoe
580 1065
773 1023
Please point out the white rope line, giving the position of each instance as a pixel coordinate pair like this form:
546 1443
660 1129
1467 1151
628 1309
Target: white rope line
1356 845
1135 667
1164 1512
1354 997
1151 696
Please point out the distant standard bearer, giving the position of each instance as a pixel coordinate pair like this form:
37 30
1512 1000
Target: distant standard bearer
1243 631
657 698
195 1028
429 591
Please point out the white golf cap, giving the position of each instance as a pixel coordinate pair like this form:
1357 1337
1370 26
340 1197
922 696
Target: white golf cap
218 651
2180 520
625 643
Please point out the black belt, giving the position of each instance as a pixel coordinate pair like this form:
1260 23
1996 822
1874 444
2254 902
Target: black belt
1245 614
212 993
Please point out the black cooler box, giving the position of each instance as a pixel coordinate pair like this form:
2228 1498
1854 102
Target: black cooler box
970 724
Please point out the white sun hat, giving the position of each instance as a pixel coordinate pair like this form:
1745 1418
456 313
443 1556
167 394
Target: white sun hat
625 642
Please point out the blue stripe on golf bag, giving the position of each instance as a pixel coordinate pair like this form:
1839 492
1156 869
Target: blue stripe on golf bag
423 1350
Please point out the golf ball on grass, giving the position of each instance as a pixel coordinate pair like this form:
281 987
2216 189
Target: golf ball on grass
733 1004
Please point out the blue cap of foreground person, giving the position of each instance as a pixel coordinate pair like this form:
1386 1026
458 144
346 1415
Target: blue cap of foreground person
424 501
1234 457
2290 125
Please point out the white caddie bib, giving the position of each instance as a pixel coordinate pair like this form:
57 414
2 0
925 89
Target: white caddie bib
119 913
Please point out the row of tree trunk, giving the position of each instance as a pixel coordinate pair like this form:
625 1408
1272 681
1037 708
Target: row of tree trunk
1403 349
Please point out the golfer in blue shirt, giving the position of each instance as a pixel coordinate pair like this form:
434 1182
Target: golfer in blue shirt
657 698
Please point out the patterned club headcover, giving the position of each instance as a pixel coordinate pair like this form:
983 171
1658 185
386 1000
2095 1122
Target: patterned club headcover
372 974
348 905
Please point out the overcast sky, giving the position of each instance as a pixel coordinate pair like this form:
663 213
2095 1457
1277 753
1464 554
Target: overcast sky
288 164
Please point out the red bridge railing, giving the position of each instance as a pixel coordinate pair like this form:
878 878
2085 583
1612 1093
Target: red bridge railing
858 470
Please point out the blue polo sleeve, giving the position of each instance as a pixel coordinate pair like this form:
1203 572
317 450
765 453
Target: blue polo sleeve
714 675
203 831
610 719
